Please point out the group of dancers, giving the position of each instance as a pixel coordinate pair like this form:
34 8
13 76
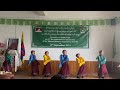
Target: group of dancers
63 65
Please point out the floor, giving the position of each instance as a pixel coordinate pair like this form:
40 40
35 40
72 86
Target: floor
24 75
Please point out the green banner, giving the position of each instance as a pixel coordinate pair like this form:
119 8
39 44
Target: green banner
60 36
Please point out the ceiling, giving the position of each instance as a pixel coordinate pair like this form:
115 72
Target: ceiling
59 14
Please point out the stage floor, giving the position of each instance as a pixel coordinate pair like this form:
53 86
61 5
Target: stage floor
24 75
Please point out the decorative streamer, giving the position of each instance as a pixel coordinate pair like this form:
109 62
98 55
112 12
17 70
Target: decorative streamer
94 22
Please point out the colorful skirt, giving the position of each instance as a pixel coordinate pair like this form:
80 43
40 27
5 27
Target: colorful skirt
81 71
7 66
47 69
102 71
35 68
64 71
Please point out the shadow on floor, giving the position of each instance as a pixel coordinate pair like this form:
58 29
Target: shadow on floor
115 75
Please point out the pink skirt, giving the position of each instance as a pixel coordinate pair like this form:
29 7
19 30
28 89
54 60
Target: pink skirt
102 70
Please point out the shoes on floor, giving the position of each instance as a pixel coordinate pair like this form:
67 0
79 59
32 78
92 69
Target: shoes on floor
102 77
82 76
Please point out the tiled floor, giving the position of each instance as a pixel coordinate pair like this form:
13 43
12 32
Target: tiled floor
23 75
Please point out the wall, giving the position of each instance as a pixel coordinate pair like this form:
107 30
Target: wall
100 37
60 14
81 14
117 37
20 14
116 60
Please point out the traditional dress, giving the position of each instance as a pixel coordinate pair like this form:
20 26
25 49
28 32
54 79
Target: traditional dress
81 71
7 63
102 66
47 65
64 71
34 64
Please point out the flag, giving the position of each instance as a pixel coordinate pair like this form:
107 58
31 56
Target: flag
22 47
114 47
38 29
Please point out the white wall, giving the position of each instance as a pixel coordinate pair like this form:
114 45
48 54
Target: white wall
21 14
117 37
101 37
81 14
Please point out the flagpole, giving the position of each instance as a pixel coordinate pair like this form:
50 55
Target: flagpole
112 65
112 55
113 52
15 31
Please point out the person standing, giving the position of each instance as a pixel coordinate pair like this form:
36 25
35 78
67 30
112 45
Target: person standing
81 62
47 65
34 63
64 66
102 72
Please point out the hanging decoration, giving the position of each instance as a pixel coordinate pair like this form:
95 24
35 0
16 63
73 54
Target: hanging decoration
95 22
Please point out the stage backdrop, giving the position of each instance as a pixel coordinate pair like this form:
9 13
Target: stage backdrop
60 36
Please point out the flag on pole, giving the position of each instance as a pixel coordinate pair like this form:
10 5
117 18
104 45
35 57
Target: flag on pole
22 47
114 47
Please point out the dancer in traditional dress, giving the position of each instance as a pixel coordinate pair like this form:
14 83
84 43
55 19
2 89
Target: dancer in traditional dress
64 67
34 63
8 61
47 65
102 72
80 60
